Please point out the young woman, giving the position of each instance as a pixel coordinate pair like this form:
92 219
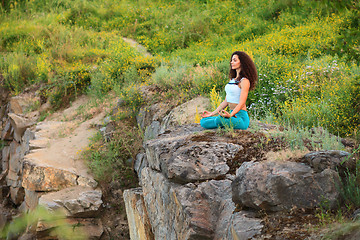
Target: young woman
243 78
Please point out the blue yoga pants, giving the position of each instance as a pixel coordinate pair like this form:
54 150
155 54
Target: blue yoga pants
241 121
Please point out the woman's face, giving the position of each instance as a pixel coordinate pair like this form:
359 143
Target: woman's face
235 62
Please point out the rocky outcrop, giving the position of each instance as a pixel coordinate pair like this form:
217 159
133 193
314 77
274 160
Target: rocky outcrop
276 186
187 191
40 167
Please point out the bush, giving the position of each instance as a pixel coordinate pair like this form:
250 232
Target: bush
326 98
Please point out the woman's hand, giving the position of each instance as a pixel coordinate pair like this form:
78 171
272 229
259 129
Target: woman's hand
207 114
225 114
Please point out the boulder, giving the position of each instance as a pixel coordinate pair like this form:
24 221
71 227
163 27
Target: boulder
14 106
7 132
153 130
276 186
20 124
139 224
183 160
31 199
331 159
17 195
243 226
16 155
139 164
74 201
155 112
185 113
46 178
190 211
5 158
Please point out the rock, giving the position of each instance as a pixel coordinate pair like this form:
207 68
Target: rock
243 227
139 164
16 155
14 106
5 158
153 130
356 215
27 236
185 113
183 160
25 143
2 112
7 132
187 211
276 186
43 178
86 182
15 165
19 124
31 199
3 220
4 93
149 114
79 228
74 201
322 160
139 224
17 195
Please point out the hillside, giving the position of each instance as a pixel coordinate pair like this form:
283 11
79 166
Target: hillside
307 54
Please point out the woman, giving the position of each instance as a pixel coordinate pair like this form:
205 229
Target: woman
243 78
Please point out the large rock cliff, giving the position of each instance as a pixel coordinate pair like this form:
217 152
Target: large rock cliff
207 184
39 167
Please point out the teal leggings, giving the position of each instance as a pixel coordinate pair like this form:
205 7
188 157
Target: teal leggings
241 121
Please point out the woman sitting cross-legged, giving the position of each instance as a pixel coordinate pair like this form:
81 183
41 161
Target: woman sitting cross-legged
243 78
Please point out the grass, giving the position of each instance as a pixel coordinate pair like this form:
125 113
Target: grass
306 53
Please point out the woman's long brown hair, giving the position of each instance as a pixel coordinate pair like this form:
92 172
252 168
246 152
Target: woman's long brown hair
248 69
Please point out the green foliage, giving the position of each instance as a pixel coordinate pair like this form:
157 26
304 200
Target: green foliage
347 44
54 39
327 95
110 160
350 187
17 71
60 228
68 85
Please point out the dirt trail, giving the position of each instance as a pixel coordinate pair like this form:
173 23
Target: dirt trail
64 137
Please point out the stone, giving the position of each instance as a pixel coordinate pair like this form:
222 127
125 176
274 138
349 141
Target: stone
183 160
139 224
14 106
149 114
43 178
243 227
5 158
13 179
87 182
89 228
185 113
17 195
20 124
15 160
25 143
31 199
322 160
139 164
187 211
74 201
2 112
152 131
4 92
3 220
7 132
276 186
